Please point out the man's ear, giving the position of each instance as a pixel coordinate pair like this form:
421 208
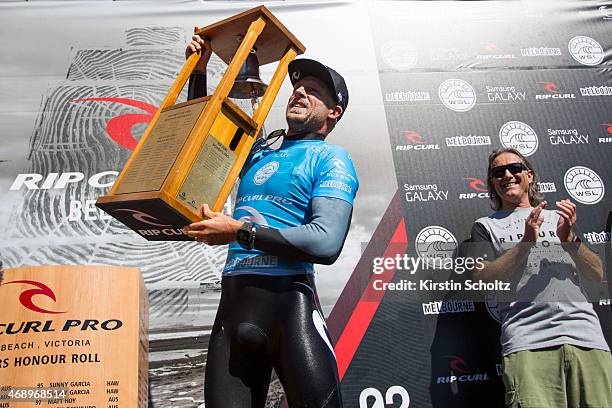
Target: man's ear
335 112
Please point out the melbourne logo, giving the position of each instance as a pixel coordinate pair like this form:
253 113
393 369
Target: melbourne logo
519 136
143 217
457 95
26 297
553 92
119 128
586 50
493 307
540 52
399 55
547 187
468 140
416 142
584 185
407 96
448 306
435 242
265 173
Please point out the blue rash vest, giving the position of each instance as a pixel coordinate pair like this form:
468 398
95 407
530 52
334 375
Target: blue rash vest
275 192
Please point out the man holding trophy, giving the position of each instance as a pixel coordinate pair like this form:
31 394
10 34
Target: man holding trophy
293 209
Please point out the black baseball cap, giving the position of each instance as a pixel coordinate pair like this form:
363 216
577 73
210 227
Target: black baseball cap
302 68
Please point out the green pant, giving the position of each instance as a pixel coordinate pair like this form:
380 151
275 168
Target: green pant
558 377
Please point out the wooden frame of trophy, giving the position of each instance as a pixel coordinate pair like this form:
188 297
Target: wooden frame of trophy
192 153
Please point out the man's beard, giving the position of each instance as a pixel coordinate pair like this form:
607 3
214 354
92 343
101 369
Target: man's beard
299 126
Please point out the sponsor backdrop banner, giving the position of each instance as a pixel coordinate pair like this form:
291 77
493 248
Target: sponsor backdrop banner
434 87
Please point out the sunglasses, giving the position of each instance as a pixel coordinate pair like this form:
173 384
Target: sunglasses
513 168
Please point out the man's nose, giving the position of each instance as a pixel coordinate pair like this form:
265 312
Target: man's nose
299 91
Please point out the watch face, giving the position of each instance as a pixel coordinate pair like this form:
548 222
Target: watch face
243 235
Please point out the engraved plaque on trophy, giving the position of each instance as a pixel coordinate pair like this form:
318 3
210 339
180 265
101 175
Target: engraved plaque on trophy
73 336
192 153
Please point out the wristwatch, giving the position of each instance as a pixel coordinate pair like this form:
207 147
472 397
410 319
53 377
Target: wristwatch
246 235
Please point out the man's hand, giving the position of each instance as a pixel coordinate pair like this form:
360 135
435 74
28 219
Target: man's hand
533 222
215 229
567 219
198 44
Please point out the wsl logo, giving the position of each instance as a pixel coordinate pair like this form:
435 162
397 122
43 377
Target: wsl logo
457 95
586 50
520 136
265 173
435 242
584 185
26 297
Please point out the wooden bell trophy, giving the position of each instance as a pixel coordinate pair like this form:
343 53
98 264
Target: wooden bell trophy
191 153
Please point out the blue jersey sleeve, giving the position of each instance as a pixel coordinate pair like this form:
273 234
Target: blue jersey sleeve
335 176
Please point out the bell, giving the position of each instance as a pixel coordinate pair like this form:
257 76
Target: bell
248 84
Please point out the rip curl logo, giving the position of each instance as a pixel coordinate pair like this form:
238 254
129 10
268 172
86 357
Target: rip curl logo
252 215
476 184
339 163
457 95
584 185
296 75
413 137
399 55
143 217
458 364
586 50
265 173
550 87
119 128
26 297
608 127
435 242
520 136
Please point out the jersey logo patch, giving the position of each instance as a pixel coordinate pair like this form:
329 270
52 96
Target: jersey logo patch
265 173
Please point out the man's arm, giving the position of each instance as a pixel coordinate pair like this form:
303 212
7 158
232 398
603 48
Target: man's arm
197 80
587 262
512 261
319 241
502 268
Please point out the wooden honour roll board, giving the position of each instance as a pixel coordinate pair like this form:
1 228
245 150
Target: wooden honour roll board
73 336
